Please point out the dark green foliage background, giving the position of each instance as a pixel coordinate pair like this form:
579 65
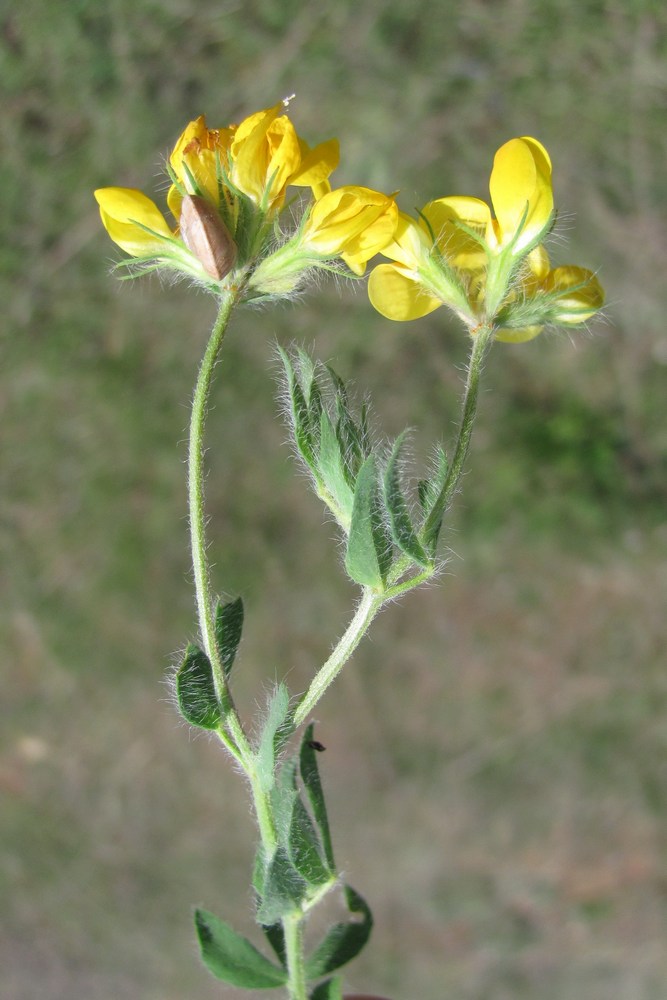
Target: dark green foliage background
496 755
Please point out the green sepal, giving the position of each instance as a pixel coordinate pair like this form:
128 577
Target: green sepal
330 989
284 890
228 629
368 555
274 733
195 690
402 531
232 958
342 941
310 776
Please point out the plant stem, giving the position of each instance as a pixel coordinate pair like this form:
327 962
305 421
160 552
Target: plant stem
367 609
293 929
231 731
480 345
196 500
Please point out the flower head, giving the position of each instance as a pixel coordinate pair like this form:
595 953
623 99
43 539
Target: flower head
228 187
487 267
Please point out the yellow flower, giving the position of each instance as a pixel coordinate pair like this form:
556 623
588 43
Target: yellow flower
521 196
420 280
133 221
567 295
267 156
240 174
354 223
458 253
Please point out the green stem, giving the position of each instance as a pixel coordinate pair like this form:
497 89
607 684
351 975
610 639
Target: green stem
296 985
480 345
196 505
231 732
367 609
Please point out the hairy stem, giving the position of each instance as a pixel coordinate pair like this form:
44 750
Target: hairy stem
480 345
231 730
296 985
205 610
367 609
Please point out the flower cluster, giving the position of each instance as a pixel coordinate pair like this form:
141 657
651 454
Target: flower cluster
487 268
229 189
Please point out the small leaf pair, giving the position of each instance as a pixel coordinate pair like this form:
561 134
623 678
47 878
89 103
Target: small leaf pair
195 683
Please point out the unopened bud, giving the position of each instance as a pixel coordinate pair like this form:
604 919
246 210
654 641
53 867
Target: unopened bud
206 236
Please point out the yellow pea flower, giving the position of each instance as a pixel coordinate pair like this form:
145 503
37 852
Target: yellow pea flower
567 295
133 221
242 173
420 280
267 156
354 223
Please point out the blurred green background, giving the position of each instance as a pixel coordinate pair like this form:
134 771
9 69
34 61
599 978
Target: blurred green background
496 753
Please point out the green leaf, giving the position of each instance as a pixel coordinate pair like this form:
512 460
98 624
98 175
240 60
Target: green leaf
402 530
331 467
368 555
275 935
429 492
306 374
274 732
343 941
228 628
284 889
330 989
304 847
310 776
232 958
298 412
195 690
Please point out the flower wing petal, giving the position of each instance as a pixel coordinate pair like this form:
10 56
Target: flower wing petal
397 296
124 212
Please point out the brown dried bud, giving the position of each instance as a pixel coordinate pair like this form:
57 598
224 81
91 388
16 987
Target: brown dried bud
206 236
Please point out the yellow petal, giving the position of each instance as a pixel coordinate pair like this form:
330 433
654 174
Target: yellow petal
521 191
397 296
447 216
518 336
121 209
411 244
317 163
353 220
265 149
581 294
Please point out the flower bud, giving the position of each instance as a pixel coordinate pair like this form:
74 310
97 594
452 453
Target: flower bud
206 236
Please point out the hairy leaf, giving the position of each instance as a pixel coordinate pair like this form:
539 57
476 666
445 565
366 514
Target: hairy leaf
342 941
232 958
228 628
195 690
